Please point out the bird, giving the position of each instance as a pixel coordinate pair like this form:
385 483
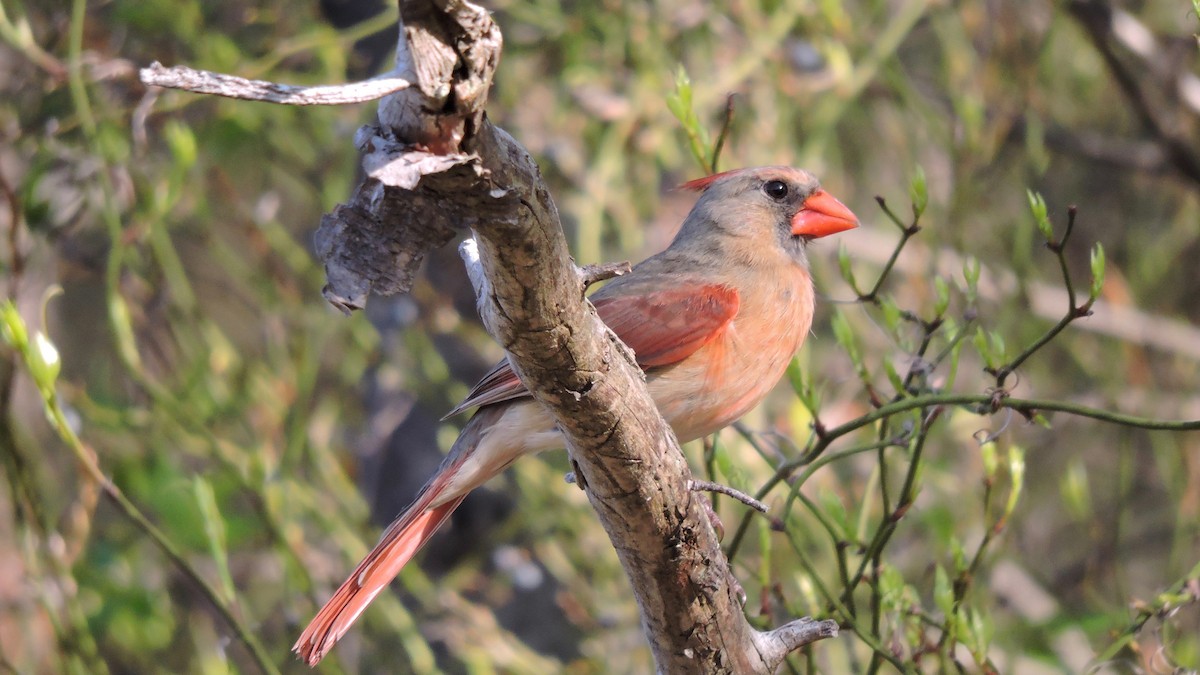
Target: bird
713 320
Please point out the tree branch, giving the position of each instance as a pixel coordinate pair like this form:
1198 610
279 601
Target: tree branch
434 166
231 86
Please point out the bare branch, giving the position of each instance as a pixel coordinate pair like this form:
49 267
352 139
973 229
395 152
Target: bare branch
592 274
776 644
232 86
710 486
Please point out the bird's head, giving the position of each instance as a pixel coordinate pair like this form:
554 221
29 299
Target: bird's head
768 206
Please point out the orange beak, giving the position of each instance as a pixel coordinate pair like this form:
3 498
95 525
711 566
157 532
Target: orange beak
821 216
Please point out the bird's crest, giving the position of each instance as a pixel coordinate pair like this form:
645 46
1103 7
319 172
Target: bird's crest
702 184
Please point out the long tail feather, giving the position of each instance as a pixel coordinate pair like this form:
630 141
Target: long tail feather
399 543
373 574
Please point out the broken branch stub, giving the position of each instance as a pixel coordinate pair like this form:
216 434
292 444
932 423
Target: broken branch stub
422 182
410 202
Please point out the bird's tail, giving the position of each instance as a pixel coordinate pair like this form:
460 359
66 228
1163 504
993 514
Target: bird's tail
399 543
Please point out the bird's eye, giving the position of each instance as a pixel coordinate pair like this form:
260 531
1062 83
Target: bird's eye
775 189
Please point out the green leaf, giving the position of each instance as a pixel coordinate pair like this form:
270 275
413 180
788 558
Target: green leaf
12 327
1097 270
943 592
836 512
845 337
987 453
990 347
971 277
47 365
959 554
214 530
1073 486
182 143
891 313
918 191
1016 471
891 587
1037 206
997 346
679 102
844 266
978 634
893 377
804 390
943 296
40 356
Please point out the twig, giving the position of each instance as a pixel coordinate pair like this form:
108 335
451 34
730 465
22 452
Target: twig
721 137
1096 19
893 516
784 472
983 404
20 36
1121 322
16 259
88 462
595 273
231 86
710 486
128 353
1074 311
907 232
778 643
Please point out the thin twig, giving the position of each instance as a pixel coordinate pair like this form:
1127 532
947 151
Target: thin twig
983 404
1096 19
84 455
231 86
721 137
1074 311
907 232
88 461
710 486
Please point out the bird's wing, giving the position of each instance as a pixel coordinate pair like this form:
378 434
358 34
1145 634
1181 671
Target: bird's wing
661 327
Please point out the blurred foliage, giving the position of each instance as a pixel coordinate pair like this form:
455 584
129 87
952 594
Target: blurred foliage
191 360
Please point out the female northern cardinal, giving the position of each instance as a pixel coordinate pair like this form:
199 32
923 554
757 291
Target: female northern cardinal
713 320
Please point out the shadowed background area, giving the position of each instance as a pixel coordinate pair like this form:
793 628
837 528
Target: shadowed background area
269 437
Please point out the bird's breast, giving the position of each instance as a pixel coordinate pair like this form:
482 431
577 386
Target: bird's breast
732 374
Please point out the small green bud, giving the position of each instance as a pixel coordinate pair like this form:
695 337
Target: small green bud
1016 471
894 377
1076 495
182 142
844 265
987 453
1037 206
971 276
943 592
1097 270
891 313
845 337
943 296
918 191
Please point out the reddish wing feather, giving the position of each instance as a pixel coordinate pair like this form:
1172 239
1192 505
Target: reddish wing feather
668 326
661 327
